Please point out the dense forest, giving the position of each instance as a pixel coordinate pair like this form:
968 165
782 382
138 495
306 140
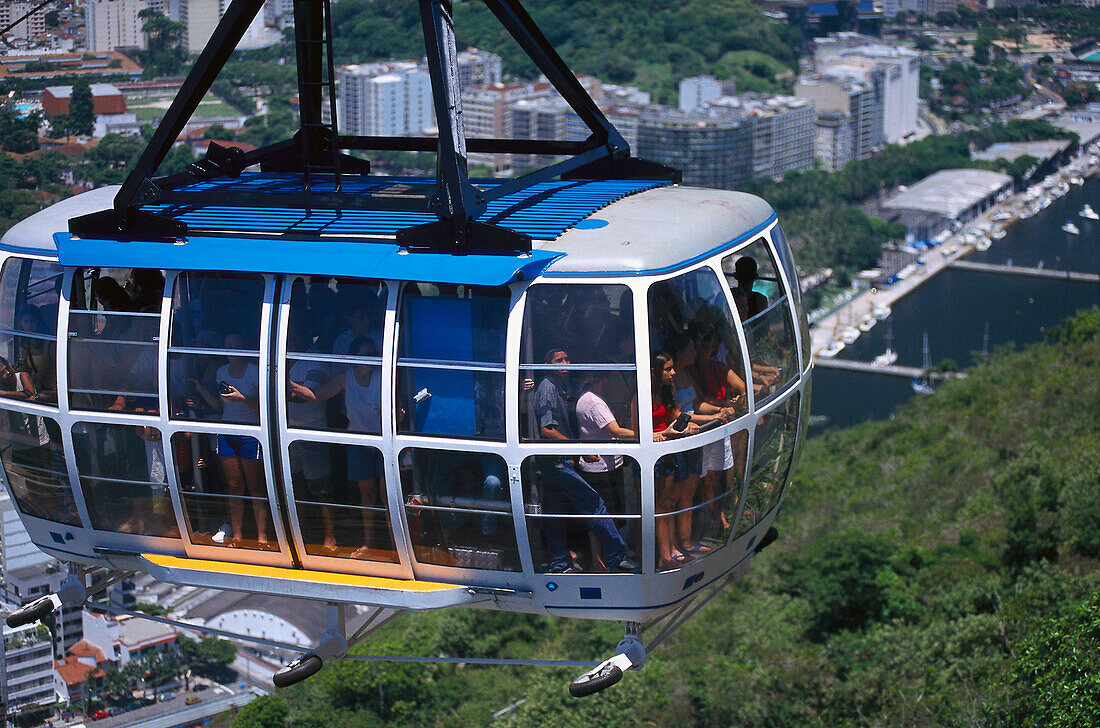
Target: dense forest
941 568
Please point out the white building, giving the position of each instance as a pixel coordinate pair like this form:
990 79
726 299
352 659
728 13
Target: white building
125 639
485 115
26 664
897 69
783 131
862 102
478 68
833 140
385 99
114 24
31 27
696 91
201 17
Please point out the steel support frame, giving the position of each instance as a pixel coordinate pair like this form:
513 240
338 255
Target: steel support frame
456 201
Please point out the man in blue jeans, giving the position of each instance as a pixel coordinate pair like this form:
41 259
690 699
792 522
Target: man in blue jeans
562 481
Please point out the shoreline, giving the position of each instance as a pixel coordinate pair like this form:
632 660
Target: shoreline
932 261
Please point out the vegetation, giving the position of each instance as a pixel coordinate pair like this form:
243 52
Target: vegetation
18 133
81 116
165 55
937 569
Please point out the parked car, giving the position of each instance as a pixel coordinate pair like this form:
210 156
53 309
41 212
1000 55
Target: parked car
100 714
199 688
192 699
169 695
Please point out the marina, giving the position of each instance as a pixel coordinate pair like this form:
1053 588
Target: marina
969 301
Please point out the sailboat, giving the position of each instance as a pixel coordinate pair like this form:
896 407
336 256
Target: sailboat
923 385
889 356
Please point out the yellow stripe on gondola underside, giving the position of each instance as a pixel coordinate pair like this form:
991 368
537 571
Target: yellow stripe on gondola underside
275 572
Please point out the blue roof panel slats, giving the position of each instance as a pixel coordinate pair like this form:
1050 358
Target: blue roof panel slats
306 257
544 211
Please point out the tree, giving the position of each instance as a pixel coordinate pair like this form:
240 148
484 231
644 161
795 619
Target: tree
52 18
270 711
163 37
18 133
81 108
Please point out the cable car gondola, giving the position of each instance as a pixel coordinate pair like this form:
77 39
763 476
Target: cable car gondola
580 392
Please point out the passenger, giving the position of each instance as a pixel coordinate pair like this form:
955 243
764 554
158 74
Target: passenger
238 401
15 385
37 357
691 401
665 415
310 464
749 302
595 421
361 384
363 320
562 481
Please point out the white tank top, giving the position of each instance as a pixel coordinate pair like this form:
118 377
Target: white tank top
364 403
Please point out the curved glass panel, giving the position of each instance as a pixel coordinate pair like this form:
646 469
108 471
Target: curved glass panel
450 361
224 491
114 325
583 512
692 327
773 452
696 494
123 478
340 494
213 357
578 376
34 461
28 329
335 374
765 310
786 259
458 509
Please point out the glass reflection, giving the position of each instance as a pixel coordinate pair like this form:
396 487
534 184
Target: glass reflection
124 480
450 365
583 512
28 328
774 444
691 323
340 493
218 476
114 323
34 462
578 340
765 309
458 509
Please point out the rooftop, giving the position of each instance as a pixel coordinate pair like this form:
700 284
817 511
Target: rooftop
135 632
1012 151
950 192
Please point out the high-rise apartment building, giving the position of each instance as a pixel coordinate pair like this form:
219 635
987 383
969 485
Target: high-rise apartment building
862 102
26 665
385 99
478 68
713 148
696 91
114 24
545 119
485 113
31 27
833 140
200 17
782 131
894 70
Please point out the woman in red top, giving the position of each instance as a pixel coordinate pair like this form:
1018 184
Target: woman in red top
665 413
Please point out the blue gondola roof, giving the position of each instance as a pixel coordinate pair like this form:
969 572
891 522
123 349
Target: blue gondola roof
544 211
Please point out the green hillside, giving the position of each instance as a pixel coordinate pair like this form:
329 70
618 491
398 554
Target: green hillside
938 569
650 43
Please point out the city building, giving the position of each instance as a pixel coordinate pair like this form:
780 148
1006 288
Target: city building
696 91
478 68
26 665
28 574
125 638
894 69
37 66
547 119
833 140
861 101
83 667
200 17
108 105
385 99
783 131
485 116
112 24
713 148
954 195
32 27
